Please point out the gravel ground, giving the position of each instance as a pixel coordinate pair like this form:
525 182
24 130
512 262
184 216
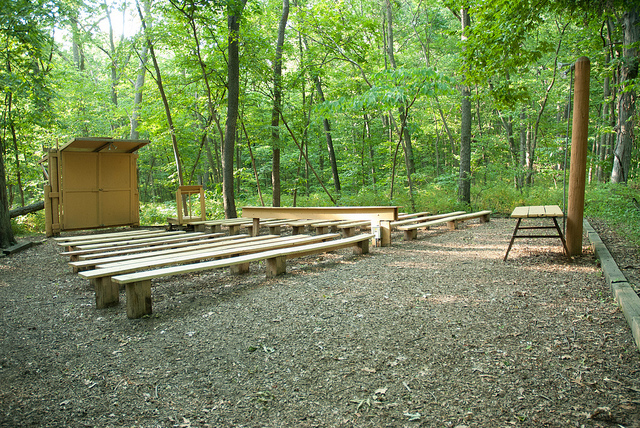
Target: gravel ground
437 332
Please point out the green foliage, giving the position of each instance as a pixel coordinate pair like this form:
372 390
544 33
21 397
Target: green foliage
614 204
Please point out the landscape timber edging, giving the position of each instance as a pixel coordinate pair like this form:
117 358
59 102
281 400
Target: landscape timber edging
623 293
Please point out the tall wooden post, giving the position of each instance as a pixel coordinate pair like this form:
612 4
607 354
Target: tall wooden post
578 170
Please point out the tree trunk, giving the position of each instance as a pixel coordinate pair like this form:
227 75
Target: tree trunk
626 105
327 133
234 12
6 233
464 181
165 101
137 97
277 105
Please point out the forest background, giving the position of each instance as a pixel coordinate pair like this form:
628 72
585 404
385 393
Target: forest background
429 105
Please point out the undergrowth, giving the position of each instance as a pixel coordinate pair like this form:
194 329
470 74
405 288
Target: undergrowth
612 203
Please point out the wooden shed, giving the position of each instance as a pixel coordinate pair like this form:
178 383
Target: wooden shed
93 183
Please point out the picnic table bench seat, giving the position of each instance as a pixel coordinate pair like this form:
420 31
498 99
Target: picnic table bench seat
138 284
107 291
411 230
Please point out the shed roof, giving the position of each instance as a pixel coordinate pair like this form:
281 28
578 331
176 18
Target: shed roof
103 144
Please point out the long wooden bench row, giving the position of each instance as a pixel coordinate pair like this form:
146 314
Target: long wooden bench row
411 230
138 284
107 292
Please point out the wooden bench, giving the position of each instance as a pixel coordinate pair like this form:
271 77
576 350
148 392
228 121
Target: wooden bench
161 243
329 226
88 243
144 253
380 217
349 229
138 284
422 219
405 216
411 231
107 291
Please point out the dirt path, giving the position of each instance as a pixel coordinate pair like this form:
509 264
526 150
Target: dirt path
437 332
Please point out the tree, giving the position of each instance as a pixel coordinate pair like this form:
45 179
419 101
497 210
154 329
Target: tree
234 13
277 105
626 104
464 180
23 79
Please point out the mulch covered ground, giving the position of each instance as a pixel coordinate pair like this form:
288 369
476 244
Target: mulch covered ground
437 332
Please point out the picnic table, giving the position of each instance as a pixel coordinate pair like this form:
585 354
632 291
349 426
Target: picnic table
537 211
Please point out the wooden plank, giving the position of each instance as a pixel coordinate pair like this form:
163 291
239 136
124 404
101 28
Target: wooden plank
117 240
413 215
250 245
553 211
101 235
214 264
520 212
323 213
423 219
167 242
536 211
135 257
118 269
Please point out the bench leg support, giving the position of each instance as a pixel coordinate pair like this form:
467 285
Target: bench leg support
274 230
361 247
276 266
138 298
410 235
385 233
240 269
107 292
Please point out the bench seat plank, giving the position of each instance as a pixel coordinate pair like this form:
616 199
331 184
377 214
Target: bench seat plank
410 231
425 218
133 240
185 240
134 257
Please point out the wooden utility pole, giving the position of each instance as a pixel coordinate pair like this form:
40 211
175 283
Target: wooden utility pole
578 170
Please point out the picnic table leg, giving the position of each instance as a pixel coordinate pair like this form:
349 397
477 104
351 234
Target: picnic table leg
564 243
513 238
138 298
255 230
234 229
107 292
297 230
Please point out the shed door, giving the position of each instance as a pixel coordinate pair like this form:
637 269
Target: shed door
98 189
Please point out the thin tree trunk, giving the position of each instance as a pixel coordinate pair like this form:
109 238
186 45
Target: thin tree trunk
277 105
165 101
626 105
234 12
464 181
139 85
